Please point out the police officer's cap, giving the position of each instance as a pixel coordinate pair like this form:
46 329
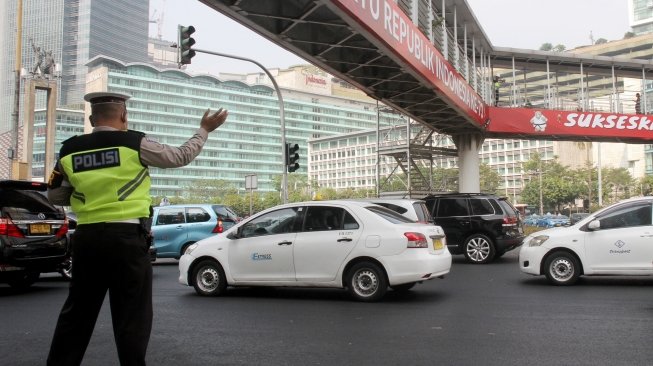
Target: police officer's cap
106 97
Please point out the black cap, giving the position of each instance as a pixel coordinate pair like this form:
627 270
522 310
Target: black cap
106 97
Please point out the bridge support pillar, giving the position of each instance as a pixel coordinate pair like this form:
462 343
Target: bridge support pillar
468 162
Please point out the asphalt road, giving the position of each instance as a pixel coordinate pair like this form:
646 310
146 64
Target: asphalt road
478 315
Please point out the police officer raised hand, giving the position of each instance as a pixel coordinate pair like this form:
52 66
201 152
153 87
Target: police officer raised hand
212 121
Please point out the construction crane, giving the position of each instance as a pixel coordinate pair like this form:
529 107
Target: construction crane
158 20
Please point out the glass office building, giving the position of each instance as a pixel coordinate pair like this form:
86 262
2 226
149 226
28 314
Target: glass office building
168 105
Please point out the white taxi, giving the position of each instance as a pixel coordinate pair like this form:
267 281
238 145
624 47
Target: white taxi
342 244
617 240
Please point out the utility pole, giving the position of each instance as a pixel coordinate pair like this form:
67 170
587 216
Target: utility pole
15 114
541 200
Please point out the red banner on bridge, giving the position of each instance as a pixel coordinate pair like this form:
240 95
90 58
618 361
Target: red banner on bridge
389 24
565 124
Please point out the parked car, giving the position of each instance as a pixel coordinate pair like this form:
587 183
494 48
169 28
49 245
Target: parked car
413 209
175 227
480 226
66 268
32 233
613 241
531 220
549 221
341 244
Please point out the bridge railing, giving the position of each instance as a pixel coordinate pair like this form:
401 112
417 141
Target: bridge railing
568 91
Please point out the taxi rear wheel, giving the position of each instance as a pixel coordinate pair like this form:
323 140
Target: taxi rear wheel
366 282
562 269
209 279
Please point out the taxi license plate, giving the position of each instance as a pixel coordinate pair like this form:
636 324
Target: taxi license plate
437 244
39 228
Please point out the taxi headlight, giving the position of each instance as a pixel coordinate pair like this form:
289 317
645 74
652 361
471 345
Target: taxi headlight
538 240
191 248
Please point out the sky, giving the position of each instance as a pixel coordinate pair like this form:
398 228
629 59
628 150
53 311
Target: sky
525 24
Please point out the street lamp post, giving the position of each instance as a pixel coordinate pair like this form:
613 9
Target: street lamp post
16 114
541 200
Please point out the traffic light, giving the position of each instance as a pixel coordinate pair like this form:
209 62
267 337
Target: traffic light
184 44
292 157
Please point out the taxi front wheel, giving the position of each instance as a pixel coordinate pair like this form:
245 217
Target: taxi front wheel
209 279
366 282
561 268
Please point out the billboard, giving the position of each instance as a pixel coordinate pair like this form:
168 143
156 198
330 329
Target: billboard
388 23
560 124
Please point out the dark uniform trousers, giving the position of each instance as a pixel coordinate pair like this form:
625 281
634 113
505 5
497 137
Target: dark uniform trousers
113 257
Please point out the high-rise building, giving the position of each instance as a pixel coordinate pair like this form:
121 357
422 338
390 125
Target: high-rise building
641 16
74 31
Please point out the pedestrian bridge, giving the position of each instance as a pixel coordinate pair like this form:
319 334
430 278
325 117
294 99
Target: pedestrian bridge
432 61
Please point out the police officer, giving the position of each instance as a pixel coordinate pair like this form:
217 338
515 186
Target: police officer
104 177
498 82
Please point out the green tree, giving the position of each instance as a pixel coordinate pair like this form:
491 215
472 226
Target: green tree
270 199
559 48
489 179
601 41
239 203
208 191
445 180
546 47
646 185
558 188
326 194
589 169
617 184
629 35
396 182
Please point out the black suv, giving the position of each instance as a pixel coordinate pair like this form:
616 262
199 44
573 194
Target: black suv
32 233
480 226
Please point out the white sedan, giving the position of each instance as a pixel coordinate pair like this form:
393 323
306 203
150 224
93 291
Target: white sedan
617 240
342 244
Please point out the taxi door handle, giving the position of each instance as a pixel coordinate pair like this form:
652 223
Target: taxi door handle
285 242
344 239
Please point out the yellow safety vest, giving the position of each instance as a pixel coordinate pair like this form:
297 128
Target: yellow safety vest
111 183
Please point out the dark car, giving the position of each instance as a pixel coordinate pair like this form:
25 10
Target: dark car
480 226
32 233
67 266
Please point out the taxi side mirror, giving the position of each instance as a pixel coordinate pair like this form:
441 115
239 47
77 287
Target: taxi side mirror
594 225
